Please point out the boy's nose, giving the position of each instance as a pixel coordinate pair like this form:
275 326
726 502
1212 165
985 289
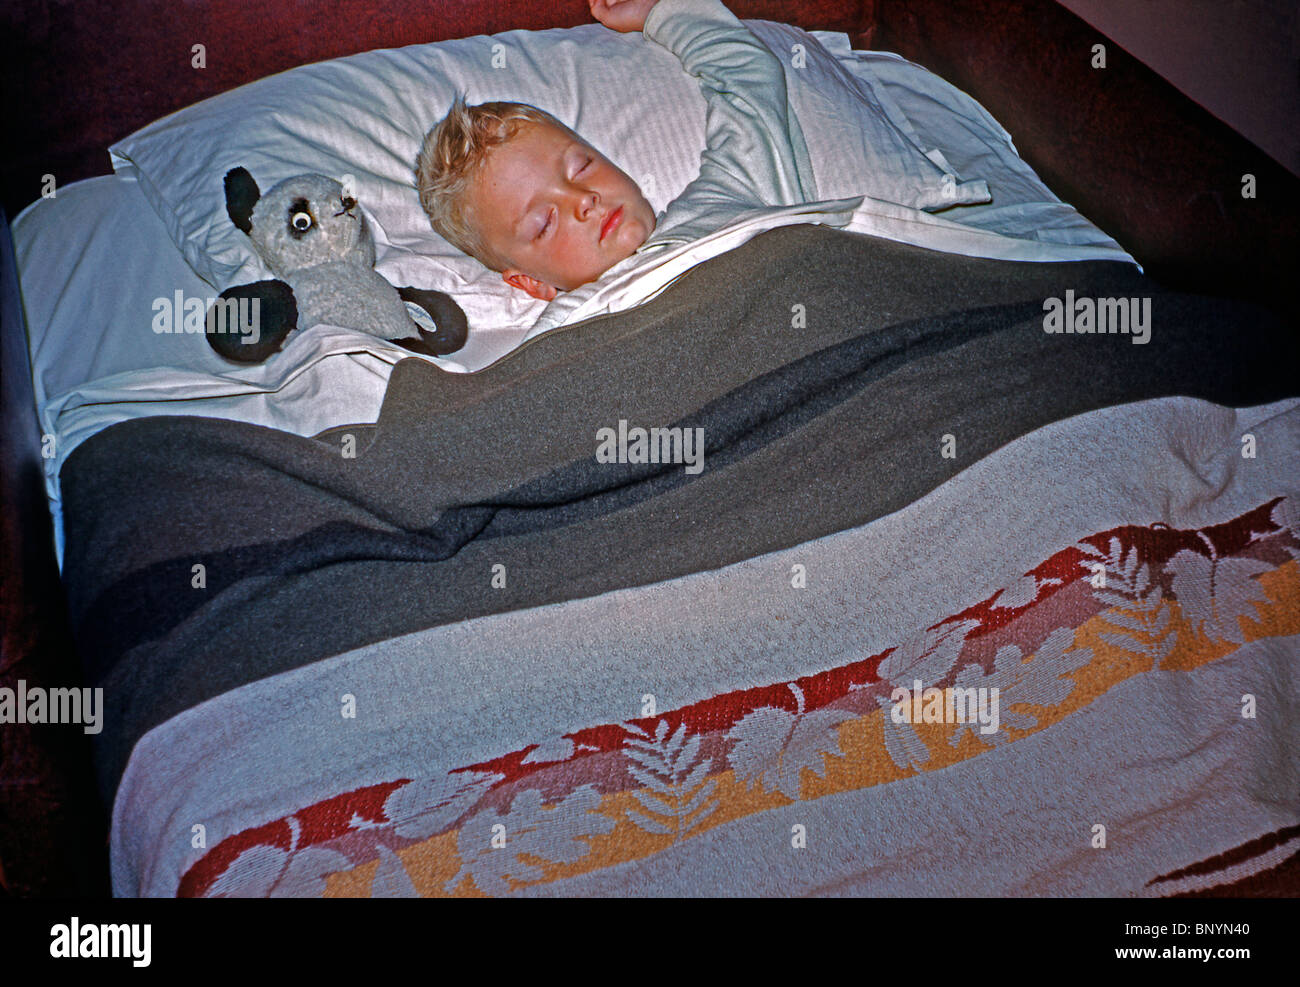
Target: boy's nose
586 205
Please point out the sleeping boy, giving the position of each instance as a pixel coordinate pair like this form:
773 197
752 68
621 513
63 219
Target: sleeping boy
515 188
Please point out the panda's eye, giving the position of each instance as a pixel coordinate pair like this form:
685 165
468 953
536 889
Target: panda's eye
301 221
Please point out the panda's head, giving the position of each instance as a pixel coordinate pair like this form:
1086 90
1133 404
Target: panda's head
301 222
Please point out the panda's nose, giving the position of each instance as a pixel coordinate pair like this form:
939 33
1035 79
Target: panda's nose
348 202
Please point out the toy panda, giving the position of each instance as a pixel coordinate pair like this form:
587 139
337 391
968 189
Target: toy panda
313 237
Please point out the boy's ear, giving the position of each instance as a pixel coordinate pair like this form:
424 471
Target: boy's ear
538 289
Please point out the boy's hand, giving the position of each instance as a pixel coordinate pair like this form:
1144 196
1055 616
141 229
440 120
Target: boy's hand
622 15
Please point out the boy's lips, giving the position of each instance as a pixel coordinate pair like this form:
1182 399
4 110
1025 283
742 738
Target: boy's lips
611 223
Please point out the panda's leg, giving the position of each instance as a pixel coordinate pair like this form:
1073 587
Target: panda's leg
452 326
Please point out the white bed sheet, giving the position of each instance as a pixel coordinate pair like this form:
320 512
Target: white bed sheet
94 259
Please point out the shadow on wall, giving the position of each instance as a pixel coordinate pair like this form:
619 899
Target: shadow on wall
1240 59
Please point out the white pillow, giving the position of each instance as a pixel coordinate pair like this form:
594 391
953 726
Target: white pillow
361 120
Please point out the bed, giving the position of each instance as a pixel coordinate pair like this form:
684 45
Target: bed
369 625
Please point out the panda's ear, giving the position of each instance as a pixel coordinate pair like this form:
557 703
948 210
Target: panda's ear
242 194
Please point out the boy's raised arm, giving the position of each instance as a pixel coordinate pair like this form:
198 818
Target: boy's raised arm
756 153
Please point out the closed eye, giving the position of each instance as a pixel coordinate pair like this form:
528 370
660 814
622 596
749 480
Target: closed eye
545 226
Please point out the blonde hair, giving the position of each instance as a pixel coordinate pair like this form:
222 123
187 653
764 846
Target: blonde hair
452 153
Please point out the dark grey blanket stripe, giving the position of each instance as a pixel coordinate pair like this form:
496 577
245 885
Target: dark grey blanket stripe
143 607
809 431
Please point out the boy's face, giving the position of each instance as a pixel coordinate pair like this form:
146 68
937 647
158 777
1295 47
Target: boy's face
556 209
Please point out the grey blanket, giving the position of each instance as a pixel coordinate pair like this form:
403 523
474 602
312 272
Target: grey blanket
836 378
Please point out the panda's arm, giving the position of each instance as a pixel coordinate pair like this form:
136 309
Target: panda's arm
249 322
448 317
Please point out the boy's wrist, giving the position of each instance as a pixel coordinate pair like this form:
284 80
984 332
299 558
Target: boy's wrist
622 15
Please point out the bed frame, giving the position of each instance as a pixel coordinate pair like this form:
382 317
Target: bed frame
1138 158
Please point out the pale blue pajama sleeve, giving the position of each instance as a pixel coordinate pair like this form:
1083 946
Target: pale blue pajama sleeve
756 154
